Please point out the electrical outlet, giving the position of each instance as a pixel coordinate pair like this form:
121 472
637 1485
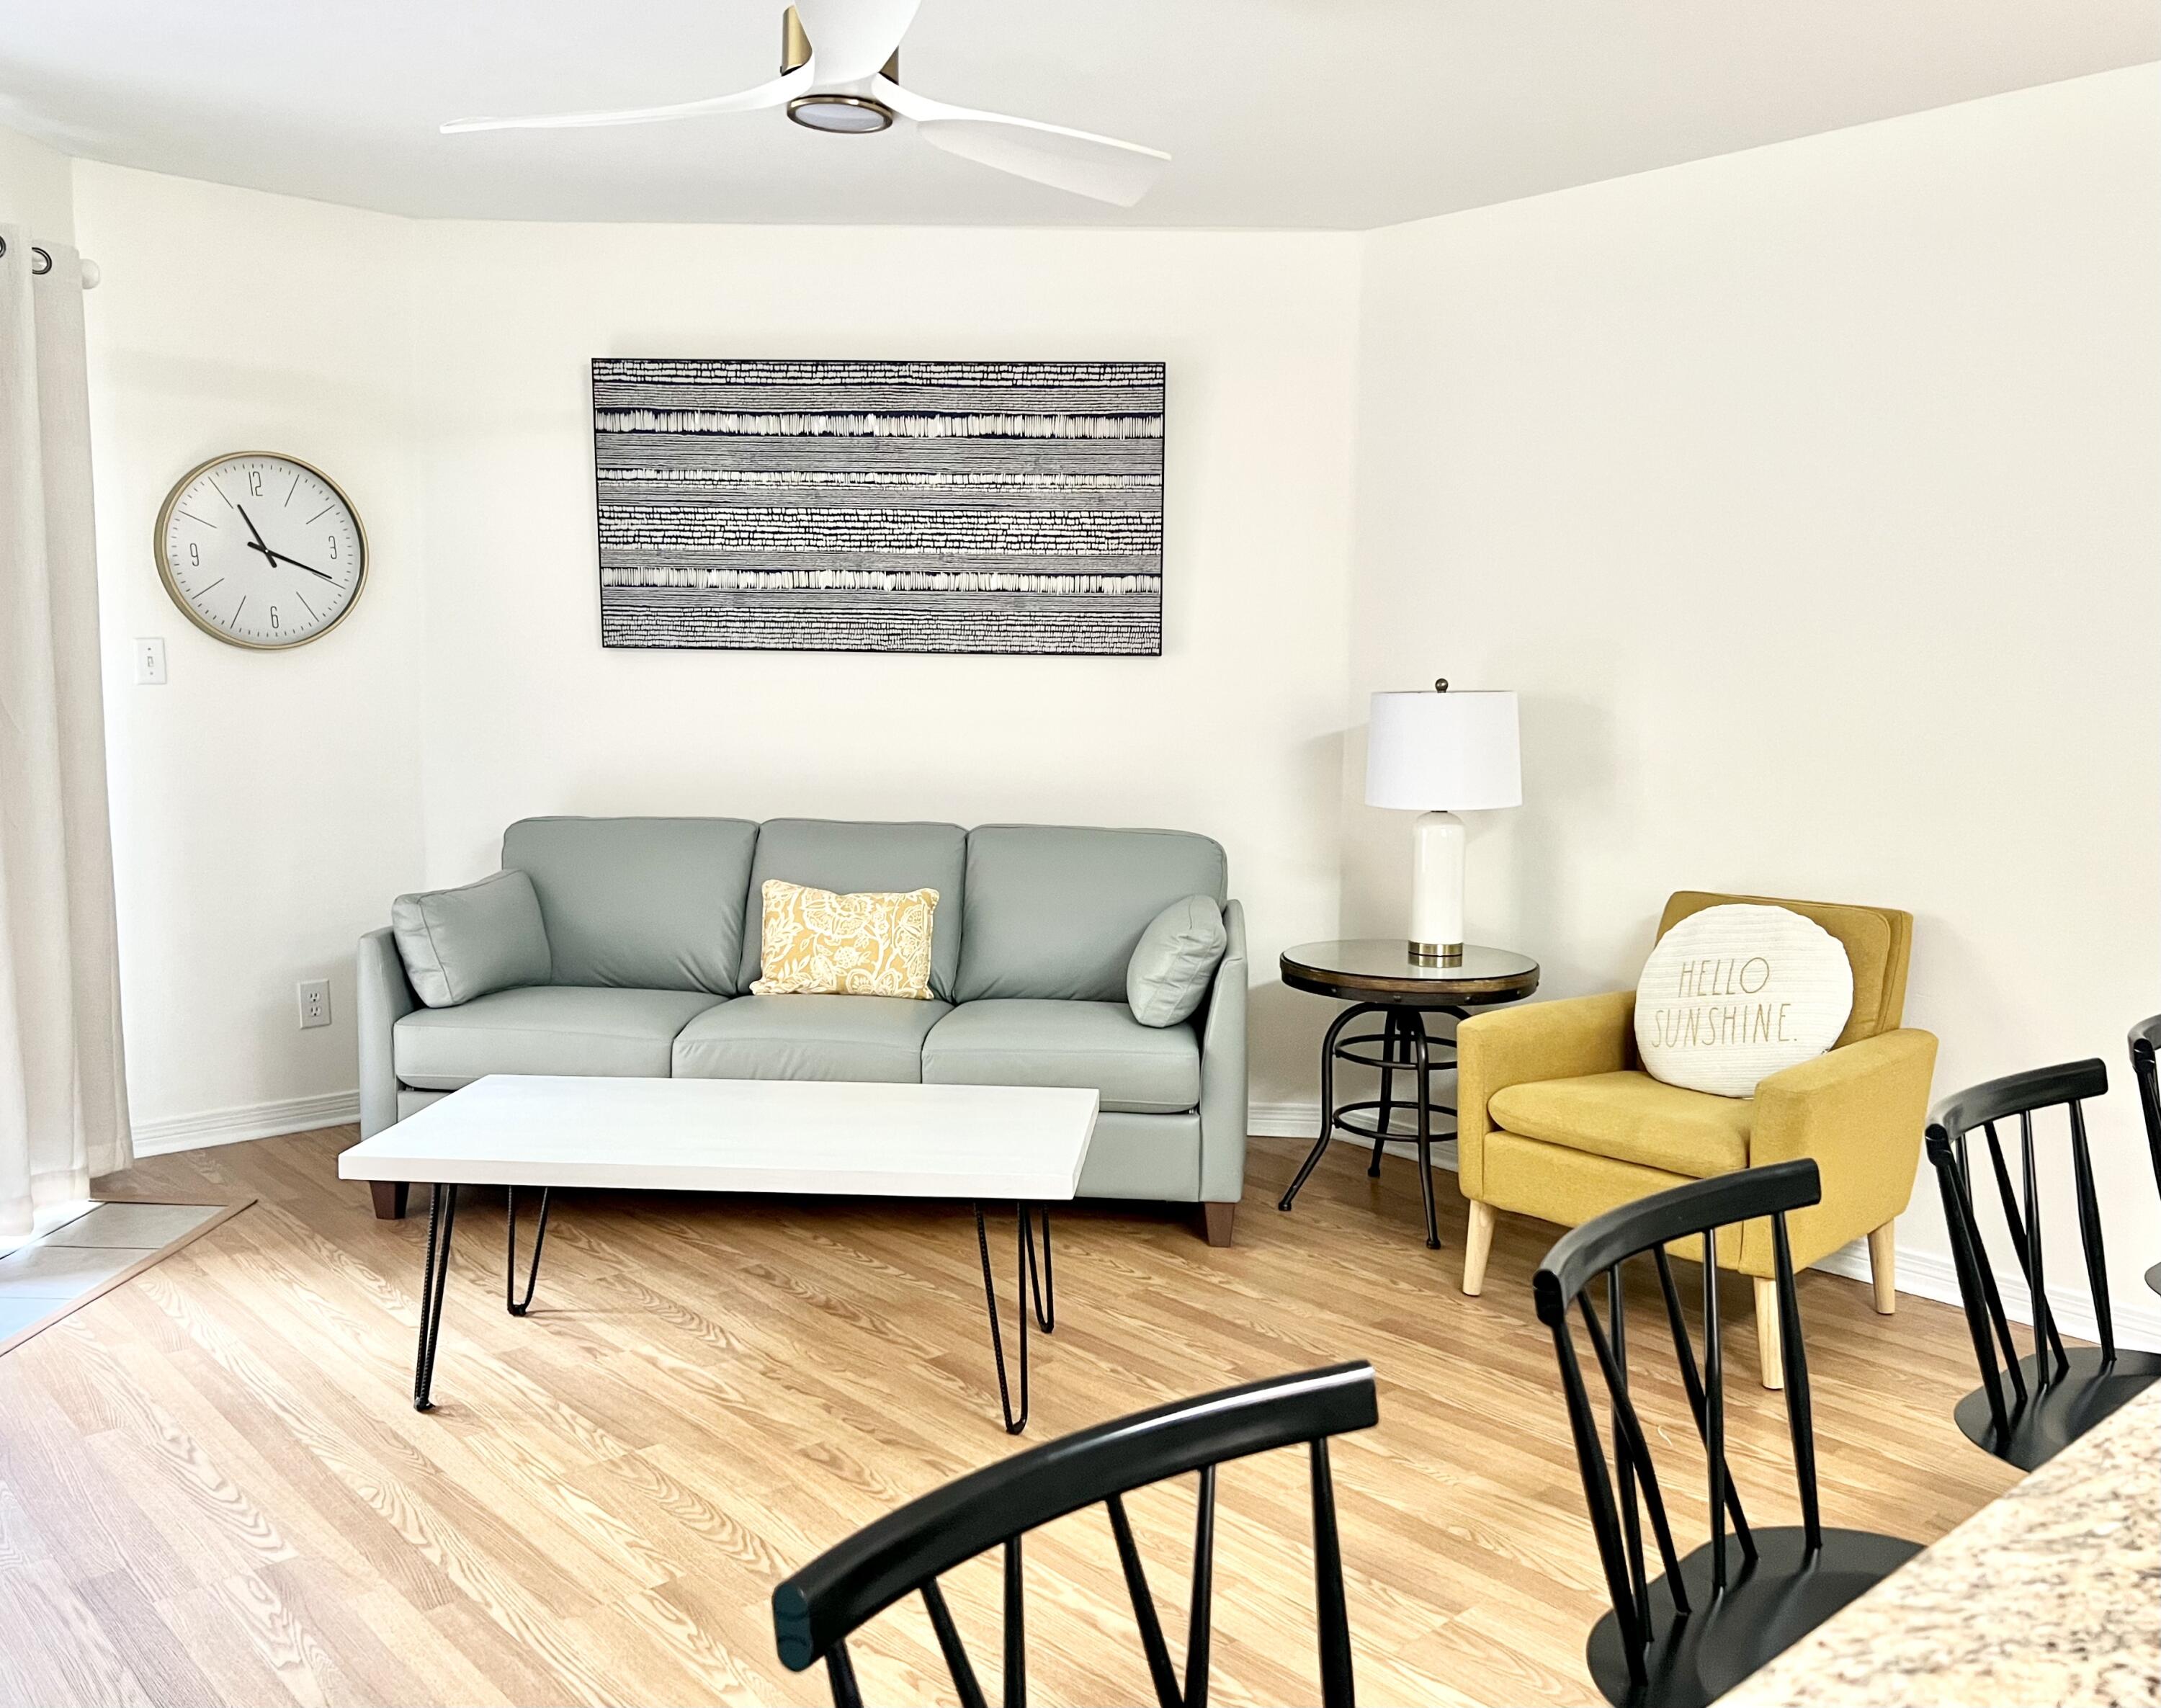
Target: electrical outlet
314 1002
150 661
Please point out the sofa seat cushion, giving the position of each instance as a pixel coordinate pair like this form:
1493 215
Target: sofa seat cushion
810 1037
543 1029
1633 1118
1025 1041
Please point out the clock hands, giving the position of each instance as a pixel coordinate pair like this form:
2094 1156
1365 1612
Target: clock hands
257 532
277 557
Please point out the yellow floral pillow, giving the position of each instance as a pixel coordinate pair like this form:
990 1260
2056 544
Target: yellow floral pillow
814 943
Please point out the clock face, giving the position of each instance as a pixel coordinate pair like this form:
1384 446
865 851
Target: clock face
261 551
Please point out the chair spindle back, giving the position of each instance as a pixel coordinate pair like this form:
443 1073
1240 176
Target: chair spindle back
816 1611
1597 1250
1979 1109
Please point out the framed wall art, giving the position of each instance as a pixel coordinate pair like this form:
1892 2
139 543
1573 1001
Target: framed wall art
893 507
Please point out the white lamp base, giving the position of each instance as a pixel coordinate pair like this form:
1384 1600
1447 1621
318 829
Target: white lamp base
1437 841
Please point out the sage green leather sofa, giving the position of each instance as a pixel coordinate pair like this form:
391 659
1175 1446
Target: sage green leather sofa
652 937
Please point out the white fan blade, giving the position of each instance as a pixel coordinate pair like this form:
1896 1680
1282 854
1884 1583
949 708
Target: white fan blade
850 39
1087 164
777 93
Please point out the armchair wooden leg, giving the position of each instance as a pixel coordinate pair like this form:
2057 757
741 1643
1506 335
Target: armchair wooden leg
389 1196
1766 1333
1883 1270
1477 1246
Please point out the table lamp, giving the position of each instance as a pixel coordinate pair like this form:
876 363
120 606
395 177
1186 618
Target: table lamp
1429 753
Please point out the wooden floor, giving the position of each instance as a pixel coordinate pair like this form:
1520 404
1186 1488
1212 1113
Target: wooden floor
213 1487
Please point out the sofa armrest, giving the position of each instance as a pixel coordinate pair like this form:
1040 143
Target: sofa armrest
1857 1111
1223 1070
1558 1040
384 997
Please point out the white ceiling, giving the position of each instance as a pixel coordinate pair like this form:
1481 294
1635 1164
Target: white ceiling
1329 113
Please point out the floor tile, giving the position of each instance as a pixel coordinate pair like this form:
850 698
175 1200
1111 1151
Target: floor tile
62 1272
50 1219
17 1314
136 1225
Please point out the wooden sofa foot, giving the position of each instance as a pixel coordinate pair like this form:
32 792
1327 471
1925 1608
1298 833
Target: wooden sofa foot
389 1196
1216 1222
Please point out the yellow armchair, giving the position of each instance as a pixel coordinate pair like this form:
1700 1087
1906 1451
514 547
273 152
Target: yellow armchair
1558 1120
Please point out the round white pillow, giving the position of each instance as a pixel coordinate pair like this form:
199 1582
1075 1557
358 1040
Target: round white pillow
1734 994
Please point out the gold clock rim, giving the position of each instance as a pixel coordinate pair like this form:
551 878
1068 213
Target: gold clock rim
186 610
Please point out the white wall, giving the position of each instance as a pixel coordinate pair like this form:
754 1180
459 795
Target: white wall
1811 498
1236 731
36 188
265 807
1809 494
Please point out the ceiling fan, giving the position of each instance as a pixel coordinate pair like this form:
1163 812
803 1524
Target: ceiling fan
840 73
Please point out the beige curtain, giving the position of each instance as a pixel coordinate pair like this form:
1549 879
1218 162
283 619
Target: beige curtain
63 1090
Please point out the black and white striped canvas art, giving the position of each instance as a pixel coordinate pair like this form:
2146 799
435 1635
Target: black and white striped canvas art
892 507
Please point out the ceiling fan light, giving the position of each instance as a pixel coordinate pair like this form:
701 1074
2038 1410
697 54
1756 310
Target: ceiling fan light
841 115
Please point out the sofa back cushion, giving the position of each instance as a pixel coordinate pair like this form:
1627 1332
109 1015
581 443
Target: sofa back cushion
653 904
1054 912
850 857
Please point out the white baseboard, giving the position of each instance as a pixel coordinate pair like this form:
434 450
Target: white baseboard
2137 1321
157 1139
1923 1275
1282 1120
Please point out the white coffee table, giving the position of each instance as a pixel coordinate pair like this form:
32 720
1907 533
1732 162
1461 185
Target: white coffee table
1025 1144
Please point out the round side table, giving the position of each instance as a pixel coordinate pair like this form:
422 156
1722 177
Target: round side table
1376 976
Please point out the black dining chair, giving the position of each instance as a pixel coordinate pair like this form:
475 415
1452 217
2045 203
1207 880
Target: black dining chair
904 1553
1706 1622
2145 1040
2054 1396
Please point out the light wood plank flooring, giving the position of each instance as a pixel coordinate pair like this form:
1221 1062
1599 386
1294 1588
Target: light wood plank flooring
213 1487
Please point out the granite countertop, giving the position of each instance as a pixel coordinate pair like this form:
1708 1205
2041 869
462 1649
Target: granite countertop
2049 1594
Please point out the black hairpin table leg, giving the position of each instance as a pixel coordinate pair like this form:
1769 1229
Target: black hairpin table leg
519 1306
434 1279
1037 1299
1044 1292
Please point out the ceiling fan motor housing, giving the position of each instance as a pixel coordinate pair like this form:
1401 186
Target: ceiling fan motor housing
841 115
835 115
834 89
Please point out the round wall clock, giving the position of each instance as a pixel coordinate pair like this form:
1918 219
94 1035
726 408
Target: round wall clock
261 551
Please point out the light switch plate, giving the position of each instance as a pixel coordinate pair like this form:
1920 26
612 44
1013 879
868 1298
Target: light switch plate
150 661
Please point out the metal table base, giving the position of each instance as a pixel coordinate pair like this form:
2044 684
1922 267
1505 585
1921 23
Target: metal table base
1404 1047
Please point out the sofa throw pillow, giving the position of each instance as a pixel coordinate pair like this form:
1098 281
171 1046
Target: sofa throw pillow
1174 962
460 944
814 943
1734 994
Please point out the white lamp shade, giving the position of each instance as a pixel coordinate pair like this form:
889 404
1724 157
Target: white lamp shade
1429 751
